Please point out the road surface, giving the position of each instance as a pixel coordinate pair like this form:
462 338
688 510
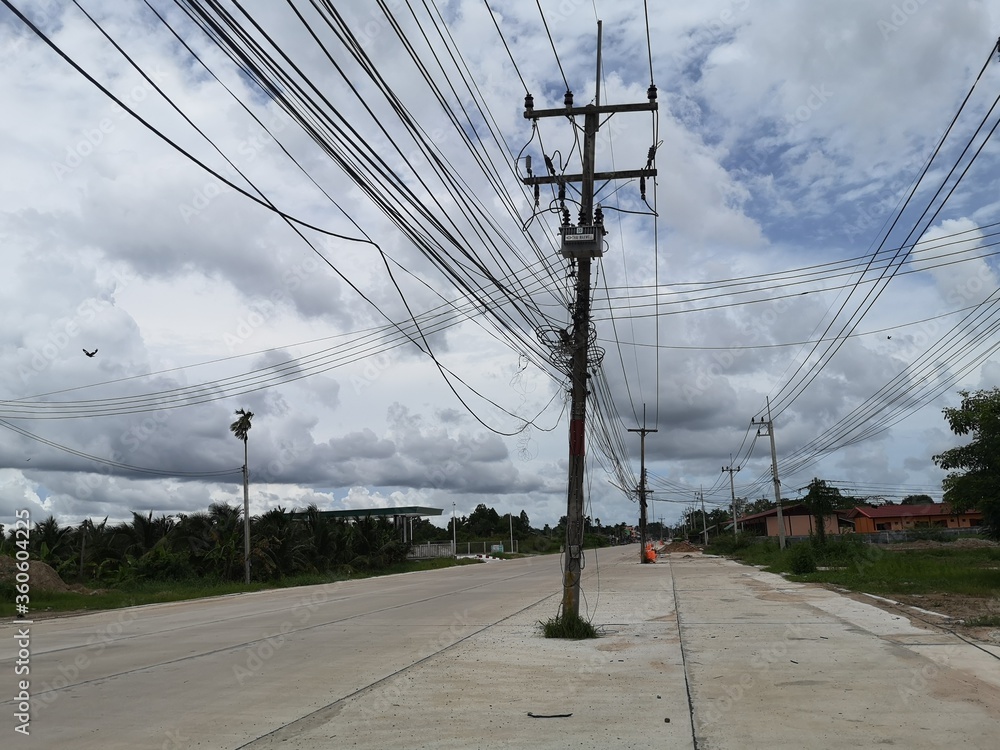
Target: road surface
696 652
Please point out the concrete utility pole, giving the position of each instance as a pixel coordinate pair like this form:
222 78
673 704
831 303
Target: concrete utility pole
581 244
704 518
774 473
732 490
642 487
246 517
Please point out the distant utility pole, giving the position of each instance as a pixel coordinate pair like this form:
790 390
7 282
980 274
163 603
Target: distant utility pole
581 243
769 426
704 518
732 490
642 486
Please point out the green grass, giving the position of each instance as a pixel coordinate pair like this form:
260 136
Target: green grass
157 592
883 570
571 627
986 621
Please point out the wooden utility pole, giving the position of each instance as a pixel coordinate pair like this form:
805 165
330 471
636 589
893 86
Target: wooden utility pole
581 243
774 473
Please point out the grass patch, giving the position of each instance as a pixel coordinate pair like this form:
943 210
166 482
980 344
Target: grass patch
159 592
571 627
876 569
149 592
985 621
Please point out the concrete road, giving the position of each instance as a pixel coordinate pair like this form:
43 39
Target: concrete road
696 652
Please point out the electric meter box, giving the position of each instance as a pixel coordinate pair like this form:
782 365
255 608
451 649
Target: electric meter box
582 242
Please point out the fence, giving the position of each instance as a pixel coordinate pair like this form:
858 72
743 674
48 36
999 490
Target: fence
891 537
912 535
446 549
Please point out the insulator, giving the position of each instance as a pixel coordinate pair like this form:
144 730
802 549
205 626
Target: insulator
529 103
651 92
650 156
598 215
549 165
565 218
568 99
527 164
537 196
562 192
642 187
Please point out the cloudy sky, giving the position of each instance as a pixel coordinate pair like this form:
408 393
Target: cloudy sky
322 219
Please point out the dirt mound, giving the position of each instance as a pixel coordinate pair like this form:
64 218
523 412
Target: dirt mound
41 575
677 547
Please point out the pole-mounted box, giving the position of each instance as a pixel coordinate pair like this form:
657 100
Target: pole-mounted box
582 242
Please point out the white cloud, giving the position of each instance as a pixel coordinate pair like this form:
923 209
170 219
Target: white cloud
787 133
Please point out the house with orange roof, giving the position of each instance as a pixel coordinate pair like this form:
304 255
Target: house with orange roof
868 519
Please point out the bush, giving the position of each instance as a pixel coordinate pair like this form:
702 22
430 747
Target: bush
801 559
727 544
159 564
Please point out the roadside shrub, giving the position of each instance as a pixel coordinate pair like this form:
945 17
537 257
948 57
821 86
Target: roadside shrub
801 559
159 564
727 544
840 551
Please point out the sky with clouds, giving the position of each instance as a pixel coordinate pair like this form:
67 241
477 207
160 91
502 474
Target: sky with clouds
349 251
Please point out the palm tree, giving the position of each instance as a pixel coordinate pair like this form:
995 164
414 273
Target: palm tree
98 555
51 542
283 546
240 428
142 534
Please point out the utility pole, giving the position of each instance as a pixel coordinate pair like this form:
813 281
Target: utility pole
769 425
642 486
581 244
246 517
732 490
704 518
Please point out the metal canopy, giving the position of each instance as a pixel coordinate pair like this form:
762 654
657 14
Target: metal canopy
409 511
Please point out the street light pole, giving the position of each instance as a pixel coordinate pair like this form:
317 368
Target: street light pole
454 534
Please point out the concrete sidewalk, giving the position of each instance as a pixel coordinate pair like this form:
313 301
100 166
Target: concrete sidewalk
697 652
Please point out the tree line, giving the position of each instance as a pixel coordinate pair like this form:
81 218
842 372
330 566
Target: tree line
210 545
283 544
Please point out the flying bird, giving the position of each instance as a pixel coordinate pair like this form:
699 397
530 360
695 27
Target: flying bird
90 354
